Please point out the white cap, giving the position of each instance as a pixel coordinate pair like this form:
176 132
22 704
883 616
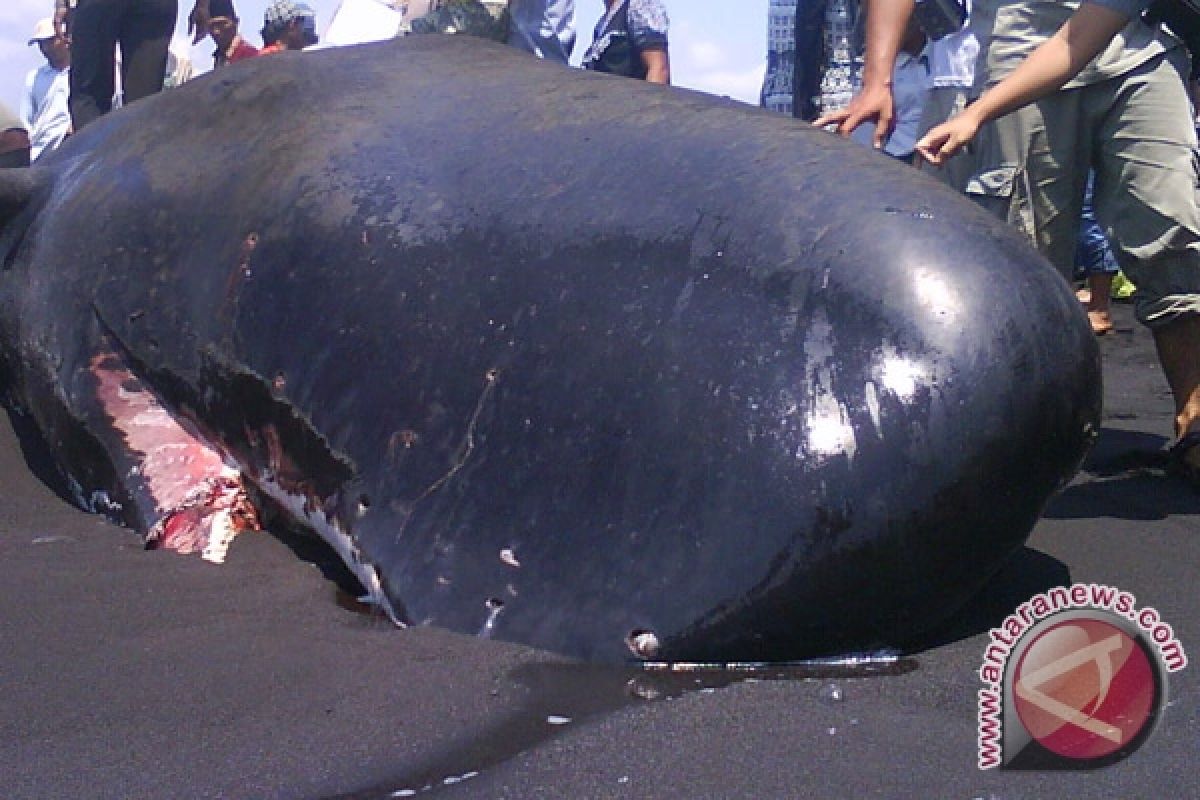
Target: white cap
43 30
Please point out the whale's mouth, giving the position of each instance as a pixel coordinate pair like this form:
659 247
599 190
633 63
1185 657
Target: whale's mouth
200 502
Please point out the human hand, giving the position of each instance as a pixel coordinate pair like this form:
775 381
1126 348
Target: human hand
872 103
946 139
198 21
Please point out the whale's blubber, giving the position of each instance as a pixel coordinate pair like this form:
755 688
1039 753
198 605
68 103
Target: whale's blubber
558 358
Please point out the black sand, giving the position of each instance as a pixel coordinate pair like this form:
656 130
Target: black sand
127 674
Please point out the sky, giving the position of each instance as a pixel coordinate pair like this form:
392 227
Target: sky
716 46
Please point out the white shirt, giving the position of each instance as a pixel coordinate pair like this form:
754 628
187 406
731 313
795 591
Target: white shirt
44 109
952 59
360 21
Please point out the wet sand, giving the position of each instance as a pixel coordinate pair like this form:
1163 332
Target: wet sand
128 674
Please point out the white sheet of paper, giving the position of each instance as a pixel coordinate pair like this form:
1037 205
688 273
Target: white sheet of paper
359 21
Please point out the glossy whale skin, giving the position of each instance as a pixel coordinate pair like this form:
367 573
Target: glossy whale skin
608 369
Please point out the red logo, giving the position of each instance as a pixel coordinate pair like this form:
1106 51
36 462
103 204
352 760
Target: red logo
1086 690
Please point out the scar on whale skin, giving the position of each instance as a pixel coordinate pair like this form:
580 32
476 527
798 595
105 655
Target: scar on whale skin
466 449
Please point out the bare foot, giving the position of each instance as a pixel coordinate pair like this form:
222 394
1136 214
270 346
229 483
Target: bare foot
1101 322
1084 295
1178 345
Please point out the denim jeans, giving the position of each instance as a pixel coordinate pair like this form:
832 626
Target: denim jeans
1093 254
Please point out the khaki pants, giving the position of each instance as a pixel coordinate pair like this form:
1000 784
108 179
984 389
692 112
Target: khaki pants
1137 131
945 102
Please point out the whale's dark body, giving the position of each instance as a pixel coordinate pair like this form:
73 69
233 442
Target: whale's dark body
568 358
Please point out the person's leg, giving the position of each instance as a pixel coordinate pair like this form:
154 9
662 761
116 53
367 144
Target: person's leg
1100 302
1096 258
93 43
145 36
1031 169
1179 352
1146 197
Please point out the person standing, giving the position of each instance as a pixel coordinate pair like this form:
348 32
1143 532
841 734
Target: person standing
545 28
1072 86
631 40
143 30
288 25
223 28
45 110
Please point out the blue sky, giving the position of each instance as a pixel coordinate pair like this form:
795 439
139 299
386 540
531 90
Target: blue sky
716 46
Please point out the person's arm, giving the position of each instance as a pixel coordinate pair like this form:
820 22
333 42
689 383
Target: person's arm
1056 61
198 21
648 24
658 65
886 22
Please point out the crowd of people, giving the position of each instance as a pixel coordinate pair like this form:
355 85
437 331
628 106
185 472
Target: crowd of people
1069 95
932 81
84 77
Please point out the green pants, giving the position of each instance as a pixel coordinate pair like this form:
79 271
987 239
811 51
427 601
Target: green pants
1136 130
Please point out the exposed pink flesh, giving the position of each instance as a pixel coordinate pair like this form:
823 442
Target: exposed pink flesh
200 500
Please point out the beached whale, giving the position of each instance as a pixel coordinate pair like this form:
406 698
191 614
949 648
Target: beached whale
605 368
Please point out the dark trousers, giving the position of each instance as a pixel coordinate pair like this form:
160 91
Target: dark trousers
143 29
15 158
